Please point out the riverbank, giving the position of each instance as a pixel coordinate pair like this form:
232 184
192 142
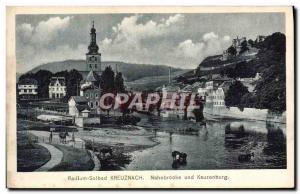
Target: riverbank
122 142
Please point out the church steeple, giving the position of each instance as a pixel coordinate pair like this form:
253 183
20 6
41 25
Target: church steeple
93 57
93 47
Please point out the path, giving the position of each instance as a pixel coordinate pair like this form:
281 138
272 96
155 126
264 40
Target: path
43 136
56 157
95 160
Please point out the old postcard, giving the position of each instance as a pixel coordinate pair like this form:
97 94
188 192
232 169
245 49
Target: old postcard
150 97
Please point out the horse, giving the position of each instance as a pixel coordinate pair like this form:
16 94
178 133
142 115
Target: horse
175 155
182 158
63 137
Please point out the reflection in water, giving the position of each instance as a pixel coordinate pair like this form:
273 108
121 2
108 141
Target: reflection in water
234 136
276 145
216 146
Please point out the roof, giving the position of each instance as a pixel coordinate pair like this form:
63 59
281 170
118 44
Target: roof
87 86
28 81
92 77
61 81
225 85
86 110
82 107
79 99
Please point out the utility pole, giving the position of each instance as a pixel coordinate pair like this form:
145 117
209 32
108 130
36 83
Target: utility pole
169 75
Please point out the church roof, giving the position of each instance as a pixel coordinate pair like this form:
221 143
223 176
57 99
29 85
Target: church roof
92 77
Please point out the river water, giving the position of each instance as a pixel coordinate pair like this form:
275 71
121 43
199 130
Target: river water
216 146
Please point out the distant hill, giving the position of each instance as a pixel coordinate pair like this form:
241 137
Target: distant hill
130 71
152 82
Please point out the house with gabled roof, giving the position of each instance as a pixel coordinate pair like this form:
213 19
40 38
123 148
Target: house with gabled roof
78 104
57 87
27 88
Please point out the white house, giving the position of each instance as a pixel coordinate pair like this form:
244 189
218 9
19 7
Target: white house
78 105
57 87
27 88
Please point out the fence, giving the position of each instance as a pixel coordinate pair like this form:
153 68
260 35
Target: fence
56 140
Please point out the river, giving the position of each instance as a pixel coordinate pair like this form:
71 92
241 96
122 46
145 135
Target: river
216 146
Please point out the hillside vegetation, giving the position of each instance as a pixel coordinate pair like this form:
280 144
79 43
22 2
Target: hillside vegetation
270 90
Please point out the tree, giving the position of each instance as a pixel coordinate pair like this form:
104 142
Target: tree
275 42
244 46
271 89
232 51
198 112
73 79
248 100
235 93
107 84
251 42
119 83
43 78
108 81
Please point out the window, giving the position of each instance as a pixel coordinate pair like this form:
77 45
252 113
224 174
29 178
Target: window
87 95
95 66
96 59
90 65
91 95
96 95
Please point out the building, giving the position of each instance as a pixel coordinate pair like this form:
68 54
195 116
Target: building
260 38
90 89
93 57
225 55
27 89
78 105
57 87
213 92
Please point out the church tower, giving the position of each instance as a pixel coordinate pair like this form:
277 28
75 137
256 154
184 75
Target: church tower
93 57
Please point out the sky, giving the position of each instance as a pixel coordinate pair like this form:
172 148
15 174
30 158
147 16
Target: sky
177 40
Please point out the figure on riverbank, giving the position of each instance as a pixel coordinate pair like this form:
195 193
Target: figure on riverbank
50 137
179 158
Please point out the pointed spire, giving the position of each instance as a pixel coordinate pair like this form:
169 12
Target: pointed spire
93 23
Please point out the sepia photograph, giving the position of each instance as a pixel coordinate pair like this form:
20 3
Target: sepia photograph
117 90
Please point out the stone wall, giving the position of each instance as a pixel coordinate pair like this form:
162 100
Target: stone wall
247 113
82 121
